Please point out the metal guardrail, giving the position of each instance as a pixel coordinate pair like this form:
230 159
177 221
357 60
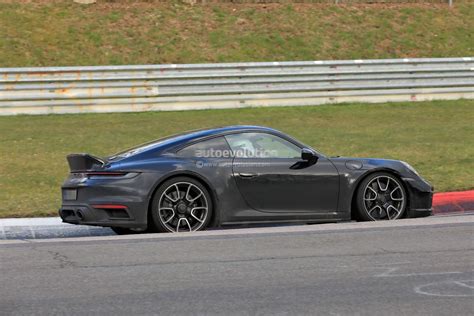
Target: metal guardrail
231 85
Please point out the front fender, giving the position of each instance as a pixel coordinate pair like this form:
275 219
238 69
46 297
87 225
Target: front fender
419 191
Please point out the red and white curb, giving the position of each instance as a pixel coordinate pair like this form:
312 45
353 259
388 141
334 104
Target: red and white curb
453 202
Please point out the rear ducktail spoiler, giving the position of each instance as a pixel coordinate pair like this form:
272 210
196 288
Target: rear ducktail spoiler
84 162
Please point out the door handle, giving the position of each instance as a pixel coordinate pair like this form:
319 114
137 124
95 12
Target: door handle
247 175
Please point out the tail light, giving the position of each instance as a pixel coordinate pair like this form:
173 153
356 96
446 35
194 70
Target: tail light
103 175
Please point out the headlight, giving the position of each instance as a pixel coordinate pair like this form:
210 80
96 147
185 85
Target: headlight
407 165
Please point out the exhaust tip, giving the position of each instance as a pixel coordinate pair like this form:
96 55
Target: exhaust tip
80 215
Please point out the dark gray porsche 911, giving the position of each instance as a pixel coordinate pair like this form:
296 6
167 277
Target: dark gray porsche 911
235 175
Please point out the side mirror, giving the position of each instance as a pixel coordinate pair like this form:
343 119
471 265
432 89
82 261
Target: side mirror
309 155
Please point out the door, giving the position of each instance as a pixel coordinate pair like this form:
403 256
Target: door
272 177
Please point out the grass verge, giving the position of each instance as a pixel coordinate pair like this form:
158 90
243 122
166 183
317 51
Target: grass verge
435 137
54 33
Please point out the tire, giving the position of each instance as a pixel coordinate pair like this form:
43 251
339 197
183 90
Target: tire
381 196
127 231
181 204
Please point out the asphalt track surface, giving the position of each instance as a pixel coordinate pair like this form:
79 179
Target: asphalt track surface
445 203
413 266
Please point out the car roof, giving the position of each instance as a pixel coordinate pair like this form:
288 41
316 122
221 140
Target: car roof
191 136
223 130
164 144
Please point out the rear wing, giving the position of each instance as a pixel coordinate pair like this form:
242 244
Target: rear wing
84 162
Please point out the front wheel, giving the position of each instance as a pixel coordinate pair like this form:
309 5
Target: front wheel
181 204
381 196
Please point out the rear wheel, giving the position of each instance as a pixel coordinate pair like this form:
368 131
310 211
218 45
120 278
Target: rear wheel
181 204
381 196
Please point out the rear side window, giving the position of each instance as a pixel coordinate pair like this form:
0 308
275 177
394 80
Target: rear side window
211 148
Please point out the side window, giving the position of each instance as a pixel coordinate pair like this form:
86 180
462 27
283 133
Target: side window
211 148
262 145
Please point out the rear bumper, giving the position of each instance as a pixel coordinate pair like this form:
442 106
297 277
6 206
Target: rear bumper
110 202
83 214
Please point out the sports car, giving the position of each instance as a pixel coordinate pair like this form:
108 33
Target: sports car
235 175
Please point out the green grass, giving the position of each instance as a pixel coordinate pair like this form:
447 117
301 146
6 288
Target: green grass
154 32
435 137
